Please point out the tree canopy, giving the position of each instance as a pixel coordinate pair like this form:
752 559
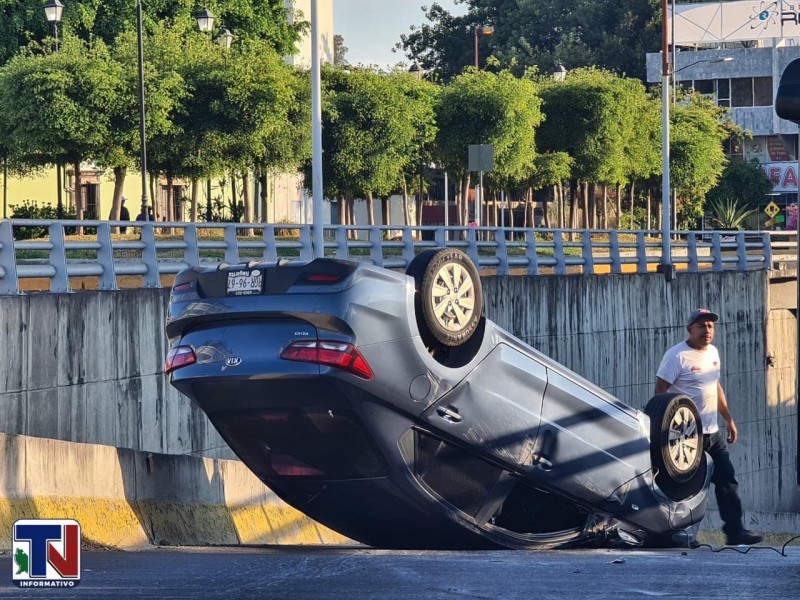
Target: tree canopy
539 33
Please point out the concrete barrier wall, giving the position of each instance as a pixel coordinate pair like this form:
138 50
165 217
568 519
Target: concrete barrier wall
124 499
88 367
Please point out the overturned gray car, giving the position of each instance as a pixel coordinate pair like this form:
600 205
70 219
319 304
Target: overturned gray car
387 407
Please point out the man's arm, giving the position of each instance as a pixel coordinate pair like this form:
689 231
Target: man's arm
661 385
722 409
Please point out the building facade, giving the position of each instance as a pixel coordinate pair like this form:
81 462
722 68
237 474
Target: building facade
735 53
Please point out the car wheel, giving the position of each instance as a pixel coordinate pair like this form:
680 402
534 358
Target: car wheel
676 443
449 300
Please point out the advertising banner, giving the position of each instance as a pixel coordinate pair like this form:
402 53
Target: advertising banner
783 175
735 21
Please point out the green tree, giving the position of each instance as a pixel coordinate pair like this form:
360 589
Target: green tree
371 125
543 33
697 157
480 107
603 122
743 182
24 20
59 107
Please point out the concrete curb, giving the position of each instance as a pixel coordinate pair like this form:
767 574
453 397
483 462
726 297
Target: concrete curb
128 499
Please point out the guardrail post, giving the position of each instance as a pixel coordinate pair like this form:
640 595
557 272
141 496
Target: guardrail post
408 245
558 251
472 245
8 260
306 249
616 263
766 243
694 263
231 244
641 252
270 246
741 251
502 253
376 245
191 254
341 242
716 251
588 258
59 283
149 256
105 256
530 252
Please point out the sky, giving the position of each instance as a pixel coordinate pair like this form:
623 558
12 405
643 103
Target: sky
371 28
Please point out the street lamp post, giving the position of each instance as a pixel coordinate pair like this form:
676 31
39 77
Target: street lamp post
316 136
53 10
666 265
225 37
481 30
205 23
142 129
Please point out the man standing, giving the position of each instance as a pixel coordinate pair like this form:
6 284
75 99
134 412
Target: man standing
693 368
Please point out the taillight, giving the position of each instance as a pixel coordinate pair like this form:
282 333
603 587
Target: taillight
321 278
333 354
182 288
178 357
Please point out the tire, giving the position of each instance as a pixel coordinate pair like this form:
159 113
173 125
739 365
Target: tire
676 445
449 300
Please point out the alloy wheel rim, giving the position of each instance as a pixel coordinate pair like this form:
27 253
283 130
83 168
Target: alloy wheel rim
684 439
453 297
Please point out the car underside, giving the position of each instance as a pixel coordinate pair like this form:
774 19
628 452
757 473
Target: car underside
387 407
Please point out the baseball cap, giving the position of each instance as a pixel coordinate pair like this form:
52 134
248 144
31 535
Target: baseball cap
702 313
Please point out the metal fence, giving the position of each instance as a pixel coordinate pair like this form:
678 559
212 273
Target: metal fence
36 249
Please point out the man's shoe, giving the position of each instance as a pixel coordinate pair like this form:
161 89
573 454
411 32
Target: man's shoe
743 537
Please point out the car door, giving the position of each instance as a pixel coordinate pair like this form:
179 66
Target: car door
591 444
496 408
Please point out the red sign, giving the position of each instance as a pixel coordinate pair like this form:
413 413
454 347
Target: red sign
783 175
777 152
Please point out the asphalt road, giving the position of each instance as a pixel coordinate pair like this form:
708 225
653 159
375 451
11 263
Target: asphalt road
351 573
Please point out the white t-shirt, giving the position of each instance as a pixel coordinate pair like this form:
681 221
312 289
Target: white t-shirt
696 374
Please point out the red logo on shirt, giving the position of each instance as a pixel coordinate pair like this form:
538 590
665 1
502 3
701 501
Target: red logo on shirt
716 364
696 369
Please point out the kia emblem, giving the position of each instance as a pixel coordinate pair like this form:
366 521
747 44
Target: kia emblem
233 361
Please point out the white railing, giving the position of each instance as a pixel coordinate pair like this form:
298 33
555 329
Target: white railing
151 250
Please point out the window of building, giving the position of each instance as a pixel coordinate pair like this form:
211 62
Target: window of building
723 92
734 149
90 193
762 91
704 86
741 91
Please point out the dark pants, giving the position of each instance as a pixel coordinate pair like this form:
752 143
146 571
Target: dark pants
726 487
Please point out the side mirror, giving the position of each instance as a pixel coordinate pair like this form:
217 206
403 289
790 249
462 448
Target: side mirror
787 98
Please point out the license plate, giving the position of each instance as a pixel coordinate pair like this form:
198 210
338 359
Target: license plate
245 283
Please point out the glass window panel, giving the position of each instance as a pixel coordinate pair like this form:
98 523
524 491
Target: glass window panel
704 86
762 91
742 91
723 90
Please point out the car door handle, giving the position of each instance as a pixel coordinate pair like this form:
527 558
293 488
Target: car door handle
449 414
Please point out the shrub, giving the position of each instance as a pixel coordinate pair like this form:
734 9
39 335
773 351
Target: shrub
30 209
